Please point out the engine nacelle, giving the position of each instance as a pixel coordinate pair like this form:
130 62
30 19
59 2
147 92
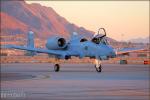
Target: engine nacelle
55 43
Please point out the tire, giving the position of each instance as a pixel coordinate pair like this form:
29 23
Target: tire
99 69
56 67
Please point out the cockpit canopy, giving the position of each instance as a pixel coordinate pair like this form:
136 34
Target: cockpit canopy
100 38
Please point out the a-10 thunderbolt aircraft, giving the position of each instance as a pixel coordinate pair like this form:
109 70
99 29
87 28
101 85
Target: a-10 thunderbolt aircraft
97 48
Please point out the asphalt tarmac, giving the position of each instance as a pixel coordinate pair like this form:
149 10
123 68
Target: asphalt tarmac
74 82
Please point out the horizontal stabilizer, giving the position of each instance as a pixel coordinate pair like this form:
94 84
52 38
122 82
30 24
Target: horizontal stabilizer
128 50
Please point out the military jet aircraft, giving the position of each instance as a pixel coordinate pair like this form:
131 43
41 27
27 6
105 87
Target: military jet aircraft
97 48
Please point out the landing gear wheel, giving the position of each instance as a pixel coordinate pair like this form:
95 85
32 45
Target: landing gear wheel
98 69
56 67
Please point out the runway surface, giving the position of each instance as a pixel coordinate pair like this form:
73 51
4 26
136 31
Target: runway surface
74 82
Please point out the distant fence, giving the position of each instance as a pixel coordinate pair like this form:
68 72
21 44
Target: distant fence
46 59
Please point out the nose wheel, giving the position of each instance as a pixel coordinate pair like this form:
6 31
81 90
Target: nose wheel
98 65
56 67
99 68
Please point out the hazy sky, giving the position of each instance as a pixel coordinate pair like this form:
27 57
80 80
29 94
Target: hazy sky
123 20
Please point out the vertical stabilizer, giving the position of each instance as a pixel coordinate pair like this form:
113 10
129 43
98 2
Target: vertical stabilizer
30 42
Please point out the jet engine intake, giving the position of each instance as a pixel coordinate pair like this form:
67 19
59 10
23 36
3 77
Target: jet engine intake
56 43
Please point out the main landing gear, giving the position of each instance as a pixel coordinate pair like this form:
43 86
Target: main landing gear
56 67
98 65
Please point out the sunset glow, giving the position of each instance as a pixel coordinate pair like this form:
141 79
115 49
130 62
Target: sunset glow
123 20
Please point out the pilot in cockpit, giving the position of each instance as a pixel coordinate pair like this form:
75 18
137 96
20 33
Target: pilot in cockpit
99 38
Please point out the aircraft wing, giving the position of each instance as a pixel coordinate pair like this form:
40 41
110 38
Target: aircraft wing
128 50
38 50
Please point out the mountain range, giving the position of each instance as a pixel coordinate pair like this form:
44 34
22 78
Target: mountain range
140 40
18 17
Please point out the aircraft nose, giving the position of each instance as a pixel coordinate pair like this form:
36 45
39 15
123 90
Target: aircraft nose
112 53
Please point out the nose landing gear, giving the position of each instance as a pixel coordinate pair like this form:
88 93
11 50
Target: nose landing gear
98 65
